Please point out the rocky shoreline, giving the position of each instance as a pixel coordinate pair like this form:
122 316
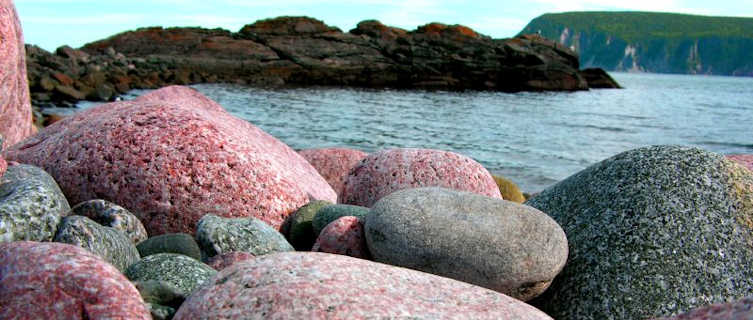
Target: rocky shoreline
301 51
168 207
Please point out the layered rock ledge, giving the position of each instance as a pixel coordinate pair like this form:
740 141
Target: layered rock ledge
301 51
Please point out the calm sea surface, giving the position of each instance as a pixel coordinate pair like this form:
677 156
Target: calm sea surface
535 139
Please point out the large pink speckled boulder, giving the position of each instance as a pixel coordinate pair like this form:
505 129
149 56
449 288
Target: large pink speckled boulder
3 166
222 261
384 172
738 310
343 236
310 285
334 164
746 160
50 280
172 156
15 106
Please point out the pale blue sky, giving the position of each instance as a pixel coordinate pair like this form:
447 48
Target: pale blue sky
52 23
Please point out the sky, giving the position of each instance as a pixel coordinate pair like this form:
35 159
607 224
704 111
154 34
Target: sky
53 23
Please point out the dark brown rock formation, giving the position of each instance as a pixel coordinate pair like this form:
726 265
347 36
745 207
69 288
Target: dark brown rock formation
302 51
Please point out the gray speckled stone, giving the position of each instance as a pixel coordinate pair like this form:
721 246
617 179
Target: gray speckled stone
180 243
31 204
217 235
331 213
653 232
112 215
497 244
301 232
309 285
183 272
738 310
109 243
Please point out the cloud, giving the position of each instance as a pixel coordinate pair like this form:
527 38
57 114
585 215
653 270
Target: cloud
410 14
633 5
498 26
206 20
86 20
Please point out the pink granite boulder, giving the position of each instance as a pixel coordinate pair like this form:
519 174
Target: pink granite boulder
311 285
49 280
334 164
738 310
15 105
3 166
172 156
384 172
222 261
343 236
746 160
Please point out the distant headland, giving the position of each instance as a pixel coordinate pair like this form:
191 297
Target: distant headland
653 42
302 51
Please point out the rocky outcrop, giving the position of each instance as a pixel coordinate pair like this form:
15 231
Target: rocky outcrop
658 42
303 51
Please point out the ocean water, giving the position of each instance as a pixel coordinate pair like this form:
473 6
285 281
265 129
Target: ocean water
534 139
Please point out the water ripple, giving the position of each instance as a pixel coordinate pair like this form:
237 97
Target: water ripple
535 139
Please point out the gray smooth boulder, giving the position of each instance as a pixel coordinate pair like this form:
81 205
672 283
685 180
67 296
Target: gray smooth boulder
217 235
31 204
109 243
493 243
653 232
183 272
112 215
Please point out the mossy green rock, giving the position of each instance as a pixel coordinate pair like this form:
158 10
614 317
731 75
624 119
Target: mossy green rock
653 232
109 214
331 213
183 272
301 233
31 204
161 297
217 235
180 243
111 244
509 189
160 292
